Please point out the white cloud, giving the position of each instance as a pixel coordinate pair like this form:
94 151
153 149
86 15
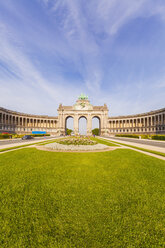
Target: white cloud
25 82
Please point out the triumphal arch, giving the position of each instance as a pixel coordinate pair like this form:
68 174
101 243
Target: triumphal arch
83 108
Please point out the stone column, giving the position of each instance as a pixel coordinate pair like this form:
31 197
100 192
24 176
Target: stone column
59 122
63 122
18 128
151 121
76 124
61 125
26 122
161 119
2 120
123 124
148 122
154 121
89 124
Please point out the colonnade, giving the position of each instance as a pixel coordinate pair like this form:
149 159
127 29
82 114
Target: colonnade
154 123
16 123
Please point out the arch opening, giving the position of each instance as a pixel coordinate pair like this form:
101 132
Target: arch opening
96 126
82 125
69 125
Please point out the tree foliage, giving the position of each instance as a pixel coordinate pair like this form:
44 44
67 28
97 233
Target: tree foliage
68 131
95 131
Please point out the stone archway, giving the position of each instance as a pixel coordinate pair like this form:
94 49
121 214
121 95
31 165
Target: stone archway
99 123
81 129
84 108
66 124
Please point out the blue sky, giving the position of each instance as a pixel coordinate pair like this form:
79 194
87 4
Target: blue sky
111 50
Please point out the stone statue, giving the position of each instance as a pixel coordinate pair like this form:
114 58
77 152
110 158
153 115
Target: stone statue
83 97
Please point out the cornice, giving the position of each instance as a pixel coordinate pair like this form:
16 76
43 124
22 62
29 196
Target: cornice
153 112
27 115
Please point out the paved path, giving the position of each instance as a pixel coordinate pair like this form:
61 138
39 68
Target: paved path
19 142
158 146
156 143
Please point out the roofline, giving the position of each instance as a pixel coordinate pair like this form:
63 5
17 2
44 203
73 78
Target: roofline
27 115
152 112
56 117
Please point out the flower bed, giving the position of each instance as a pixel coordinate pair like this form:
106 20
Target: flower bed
61 147
77 141
75 144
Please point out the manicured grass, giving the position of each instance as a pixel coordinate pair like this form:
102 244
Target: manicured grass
109 199
105 142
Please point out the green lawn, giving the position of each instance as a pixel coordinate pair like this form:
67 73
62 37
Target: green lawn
109 199
105 142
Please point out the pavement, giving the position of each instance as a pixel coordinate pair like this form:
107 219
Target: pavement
158 146
19 142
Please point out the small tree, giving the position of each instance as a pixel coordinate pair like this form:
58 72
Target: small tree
95 131
69 131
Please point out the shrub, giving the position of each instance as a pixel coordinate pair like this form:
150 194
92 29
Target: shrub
69 131
5 136
158 137
145 136
40 134
17 136
95 131
128 135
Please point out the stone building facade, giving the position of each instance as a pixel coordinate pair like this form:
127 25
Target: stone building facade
147 123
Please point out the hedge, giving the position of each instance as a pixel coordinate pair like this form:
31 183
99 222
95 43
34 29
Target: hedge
14 136
128 135
158 137
5 136
39 135
143 136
